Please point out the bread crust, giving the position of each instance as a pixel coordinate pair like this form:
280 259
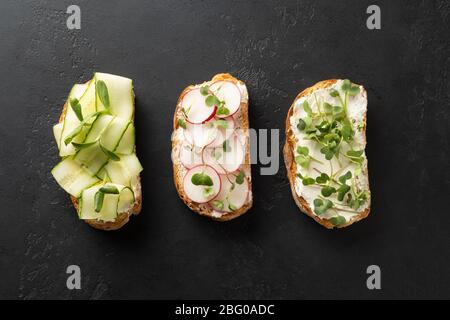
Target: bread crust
291 166
178 170
122 217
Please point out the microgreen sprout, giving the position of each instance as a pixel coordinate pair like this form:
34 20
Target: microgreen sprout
76 107
240 177
303 158
218 204
226 146
182 123
212 100
201 179
102 92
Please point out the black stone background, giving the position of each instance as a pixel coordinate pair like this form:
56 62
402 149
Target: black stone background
278 48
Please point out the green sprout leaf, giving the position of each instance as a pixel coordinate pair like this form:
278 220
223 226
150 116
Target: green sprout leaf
232 207
86 122
341 192
307 108
98 200
355 156
320 206
182 123
76 107
347 132
303 151
338 113
355 153
73 134
350 88
301 125
302 161
304 123
327 191
102 92
240 177
318 202
327 108
308 181
345 177
334 93
324 126
323 178
211 101
201 179
204 90
308 121
109 189
186 111
331 137
338 220
346 85
354 90
222 110
337 109
226 146
218 204
359 199
328 152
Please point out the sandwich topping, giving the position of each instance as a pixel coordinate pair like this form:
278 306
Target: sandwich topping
96 142
331 165
211 144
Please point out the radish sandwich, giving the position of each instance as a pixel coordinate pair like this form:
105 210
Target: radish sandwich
210 148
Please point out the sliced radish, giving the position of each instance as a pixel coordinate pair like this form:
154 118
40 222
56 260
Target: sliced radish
200 135
225 159
230 198
223 133
194 106
190 156
202 193
229 93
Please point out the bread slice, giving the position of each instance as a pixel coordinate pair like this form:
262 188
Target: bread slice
242 122
291 165
122 217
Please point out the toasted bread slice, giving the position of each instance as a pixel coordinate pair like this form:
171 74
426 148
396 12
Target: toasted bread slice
291 165
122 217
242 122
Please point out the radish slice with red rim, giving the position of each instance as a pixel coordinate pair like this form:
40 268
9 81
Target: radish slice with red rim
232 195
208 188
225 128
200 135
226 158
195 108
229 93
190 156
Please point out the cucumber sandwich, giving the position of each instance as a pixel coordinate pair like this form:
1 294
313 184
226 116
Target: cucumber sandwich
96 142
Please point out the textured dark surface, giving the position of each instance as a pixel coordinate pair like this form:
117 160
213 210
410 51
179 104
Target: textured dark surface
277 48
